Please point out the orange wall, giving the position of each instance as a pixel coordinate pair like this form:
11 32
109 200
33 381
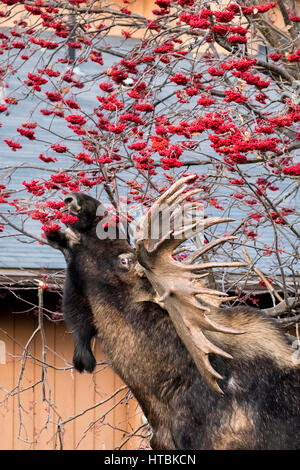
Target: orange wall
140 7
70 391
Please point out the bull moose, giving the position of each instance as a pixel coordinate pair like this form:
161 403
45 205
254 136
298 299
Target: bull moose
205 376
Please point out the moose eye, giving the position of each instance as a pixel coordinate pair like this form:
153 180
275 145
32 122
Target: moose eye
125 259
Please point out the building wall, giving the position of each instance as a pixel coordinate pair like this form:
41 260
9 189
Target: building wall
24 415
139 7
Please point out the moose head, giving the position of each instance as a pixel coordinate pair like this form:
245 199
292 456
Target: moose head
179 288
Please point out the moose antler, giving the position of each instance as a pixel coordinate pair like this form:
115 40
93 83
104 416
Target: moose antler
178 286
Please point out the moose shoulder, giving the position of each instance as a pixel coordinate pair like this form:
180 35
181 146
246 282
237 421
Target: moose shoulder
143 329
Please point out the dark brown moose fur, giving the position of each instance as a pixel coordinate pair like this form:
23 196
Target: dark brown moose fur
104 295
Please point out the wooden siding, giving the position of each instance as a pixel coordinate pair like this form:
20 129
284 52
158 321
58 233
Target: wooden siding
139 7
71 393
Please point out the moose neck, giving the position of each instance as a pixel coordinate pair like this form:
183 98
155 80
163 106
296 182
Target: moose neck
262 338
142 346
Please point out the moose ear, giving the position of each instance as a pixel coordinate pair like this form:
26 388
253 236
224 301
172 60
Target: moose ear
180 287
